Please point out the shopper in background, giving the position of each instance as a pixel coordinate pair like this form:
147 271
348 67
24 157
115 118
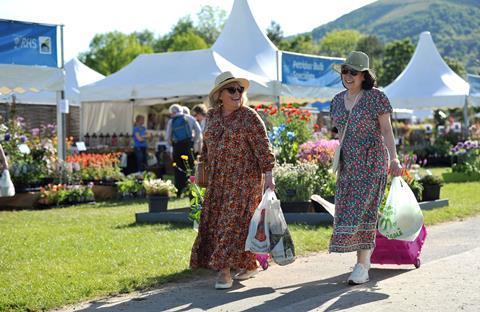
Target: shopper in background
140 145
181 134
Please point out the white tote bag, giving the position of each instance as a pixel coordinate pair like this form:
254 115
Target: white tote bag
7 188
258 239
282 249
402 217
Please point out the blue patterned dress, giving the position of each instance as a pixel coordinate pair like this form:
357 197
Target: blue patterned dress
363 171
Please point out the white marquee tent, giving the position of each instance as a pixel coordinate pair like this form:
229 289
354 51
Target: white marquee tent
28 78
76 75
242 48
427 81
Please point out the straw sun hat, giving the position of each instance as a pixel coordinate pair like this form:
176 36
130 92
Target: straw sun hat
356 60
224 79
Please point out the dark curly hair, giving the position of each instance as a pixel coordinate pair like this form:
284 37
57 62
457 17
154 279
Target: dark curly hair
369 81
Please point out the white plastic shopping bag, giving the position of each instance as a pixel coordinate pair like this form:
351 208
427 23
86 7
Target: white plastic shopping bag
281 243
402 217
258 239
6 186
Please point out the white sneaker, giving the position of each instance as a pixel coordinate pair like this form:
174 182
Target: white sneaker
359 275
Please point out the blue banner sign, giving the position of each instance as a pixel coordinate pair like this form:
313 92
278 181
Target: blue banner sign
474 82
310 71
28 43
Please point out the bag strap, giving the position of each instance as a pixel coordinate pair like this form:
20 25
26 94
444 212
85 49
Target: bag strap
349 113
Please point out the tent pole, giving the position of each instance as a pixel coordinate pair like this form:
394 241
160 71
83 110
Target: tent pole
465 118
61 150
278 82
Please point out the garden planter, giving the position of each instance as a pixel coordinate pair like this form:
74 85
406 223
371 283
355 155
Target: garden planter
431 192
288 207
157 203
104 192
20 201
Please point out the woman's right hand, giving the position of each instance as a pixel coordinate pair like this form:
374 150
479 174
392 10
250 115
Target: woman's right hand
395 168
269 181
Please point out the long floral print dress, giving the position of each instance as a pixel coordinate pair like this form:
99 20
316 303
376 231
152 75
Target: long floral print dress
237 153
363 171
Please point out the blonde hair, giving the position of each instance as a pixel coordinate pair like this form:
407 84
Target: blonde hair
214 100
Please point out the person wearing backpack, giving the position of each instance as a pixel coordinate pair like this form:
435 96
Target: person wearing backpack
182 131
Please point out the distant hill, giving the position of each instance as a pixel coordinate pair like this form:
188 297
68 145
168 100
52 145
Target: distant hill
454 25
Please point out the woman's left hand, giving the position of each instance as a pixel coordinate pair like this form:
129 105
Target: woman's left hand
395 168
269 182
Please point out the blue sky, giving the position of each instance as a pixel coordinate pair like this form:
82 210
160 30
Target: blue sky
83 19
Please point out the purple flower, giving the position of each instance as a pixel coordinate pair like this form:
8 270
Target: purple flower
7 137
23 139
35 131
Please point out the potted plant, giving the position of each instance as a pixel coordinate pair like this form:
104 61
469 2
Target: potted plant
158 192
431 187
294 186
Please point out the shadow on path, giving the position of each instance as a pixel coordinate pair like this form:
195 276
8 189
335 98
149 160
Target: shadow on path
199 294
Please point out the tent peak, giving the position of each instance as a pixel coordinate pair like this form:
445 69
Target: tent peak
241 37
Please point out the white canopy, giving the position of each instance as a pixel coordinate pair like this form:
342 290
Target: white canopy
427 81
23 78
154 78
76 75
242 48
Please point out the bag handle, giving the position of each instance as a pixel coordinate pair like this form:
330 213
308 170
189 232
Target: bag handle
350 113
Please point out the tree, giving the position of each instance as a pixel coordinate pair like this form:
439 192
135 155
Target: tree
397 55
456 66
374 48
371 45
187 41
210 23
275 33
146 37
111 51
302 44
184 25
339 43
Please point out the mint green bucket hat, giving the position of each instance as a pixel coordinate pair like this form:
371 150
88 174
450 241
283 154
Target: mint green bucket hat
357 60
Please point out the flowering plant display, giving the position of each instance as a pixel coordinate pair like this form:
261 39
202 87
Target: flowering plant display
57 194
159 187
468 154
197 194
37 160
95 167
320 152
132 184
288 127
298 182
194 191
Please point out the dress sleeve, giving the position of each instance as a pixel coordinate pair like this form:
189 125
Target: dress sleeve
258 140
333 105
381 104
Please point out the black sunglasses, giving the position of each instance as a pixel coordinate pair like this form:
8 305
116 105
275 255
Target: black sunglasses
352 72
232 90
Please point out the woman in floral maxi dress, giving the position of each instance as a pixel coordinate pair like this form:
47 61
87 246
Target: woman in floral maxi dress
367 145
238 157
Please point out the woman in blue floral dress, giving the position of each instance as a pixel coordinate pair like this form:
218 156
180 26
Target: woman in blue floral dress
368 151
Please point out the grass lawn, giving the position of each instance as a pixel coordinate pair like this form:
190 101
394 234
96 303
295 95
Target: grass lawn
54 257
